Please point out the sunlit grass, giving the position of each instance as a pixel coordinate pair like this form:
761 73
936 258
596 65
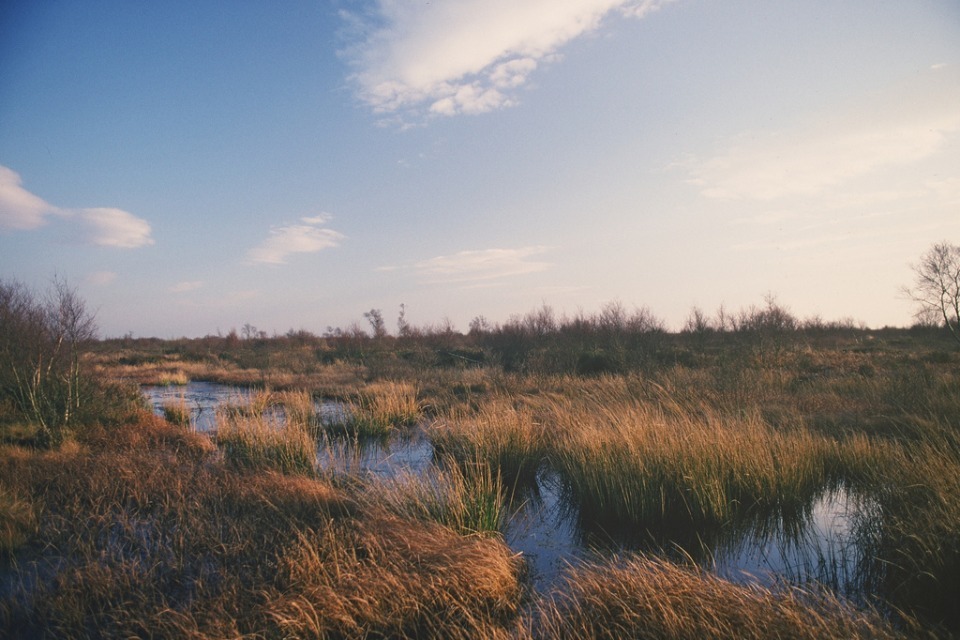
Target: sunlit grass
508 438
177 378
468 498
259 442
379 409
176 411
638 597
151 541
627 458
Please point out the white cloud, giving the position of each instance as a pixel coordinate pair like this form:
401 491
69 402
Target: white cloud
184 287
110 227
307 237
482 265
465 56
20 209
776 166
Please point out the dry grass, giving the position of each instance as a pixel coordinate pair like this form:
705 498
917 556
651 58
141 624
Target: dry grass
378 410
257 442
395 578
625 457
640 597
177 412
18 520
145 530
323 380
468 498
162 541
506 437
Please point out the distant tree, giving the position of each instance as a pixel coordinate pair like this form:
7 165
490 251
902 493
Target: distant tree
480 325
936 287
697 322
403 327
377 325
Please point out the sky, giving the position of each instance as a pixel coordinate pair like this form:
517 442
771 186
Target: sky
194 167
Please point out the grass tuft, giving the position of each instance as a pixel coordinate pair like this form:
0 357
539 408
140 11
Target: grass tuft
258 443
639 597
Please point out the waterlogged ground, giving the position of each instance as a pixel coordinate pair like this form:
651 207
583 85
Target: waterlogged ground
819 544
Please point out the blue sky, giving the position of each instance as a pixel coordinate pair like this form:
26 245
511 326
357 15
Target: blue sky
193 167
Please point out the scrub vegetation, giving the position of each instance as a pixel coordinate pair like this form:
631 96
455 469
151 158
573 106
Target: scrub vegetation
116 522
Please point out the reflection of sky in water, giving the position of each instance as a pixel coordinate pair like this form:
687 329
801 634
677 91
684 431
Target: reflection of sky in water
820 546
202 398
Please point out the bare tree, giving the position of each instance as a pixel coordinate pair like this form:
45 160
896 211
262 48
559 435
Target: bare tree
41 341
936 287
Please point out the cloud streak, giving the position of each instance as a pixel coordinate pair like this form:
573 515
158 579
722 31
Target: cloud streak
307 236
21 210
833 152
108 227
481 266
469 56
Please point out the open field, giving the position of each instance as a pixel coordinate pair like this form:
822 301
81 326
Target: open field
663 447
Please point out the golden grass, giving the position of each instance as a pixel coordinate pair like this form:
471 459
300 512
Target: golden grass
173 378
379 409
468 498
638 597
176 411
394 578
256 441
508 438
136 541
627 457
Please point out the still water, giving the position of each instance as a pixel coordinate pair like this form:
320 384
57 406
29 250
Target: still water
819 544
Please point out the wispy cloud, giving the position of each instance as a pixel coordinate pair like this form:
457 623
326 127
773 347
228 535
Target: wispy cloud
481 266
20 209
307 236
110 227
834 151
103 226
469 56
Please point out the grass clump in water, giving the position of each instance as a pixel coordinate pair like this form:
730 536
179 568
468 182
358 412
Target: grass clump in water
258 443
624 458
176 411
378 411
507 438
470 499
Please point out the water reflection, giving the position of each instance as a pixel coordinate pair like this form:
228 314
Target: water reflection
201 398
